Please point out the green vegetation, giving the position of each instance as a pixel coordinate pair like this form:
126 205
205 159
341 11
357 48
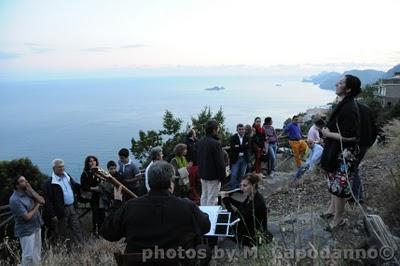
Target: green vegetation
173 133
10 169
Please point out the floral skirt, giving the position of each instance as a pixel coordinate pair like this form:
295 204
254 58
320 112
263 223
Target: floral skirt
341 180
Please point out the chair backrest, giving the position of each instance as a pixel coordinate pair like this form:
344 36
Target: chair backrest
129 259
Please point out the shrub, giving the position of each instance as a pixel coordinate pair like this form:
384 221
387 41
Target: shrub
10 169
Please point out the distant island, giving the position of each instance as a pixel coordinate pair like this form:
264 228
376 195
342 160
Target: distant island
278 85
216 88
327 80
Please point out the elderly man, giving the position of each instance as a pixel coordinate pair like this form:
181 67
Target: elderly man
156 154
60 213
158 219
24 205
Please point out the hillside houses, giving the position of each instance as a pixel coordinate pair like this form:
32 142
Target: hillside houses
388 90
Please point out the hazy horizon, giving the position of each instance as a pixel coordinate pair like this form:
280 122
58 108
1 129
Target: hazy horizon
77 39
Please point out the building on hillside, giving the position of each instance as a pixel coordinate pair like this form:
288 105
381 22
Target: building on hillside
388 90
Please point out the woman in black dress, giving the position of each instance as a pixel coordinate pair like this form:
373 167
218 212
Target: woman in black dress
252 211
340 157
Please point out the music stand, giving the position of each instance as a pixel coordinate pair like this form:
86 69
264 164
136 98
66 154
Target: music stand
220 220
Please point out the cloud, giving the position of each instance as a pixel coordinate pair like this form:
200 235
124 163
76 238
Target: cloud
105 49
31 44
41 50
8 55
37 48
133 46
98 49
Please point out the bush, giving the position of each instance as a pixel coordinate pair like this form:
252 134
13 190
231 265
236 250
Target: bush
10 169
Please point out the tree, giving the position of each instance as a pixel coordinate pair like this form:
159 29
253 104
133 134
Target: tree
147 140
205 115
11 169
171 124
199 121
172 134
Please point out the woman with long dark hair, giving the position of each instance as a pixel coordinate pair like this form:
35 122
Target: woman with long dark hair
340 156
258 141
90 188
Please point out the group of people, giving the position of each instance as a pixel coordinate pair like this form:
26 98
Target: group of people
166 212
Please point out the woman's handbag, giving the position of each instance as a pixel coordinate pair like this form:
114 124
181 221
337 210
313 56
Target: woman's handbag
183 176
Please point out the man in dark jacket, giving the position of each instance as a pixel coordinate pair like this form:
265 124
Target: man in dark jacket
59 210
239 156
157 219
210 160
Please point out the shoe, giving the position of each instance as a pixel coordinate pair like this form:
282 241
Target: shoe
272 174
327 215
332 226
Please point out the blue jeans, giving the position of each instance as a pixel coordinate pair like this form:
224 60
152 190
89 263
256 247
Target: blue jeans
302 169
272 149
238 171
356 186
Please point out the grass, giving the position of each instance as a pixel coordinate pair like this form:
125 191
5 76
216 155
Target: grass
91 252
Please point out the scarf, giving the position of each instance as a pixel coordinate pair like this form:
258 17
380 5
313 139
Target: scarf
181 161
259 130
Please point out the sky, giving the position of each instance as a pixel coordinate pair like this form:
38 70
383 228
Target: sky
81 38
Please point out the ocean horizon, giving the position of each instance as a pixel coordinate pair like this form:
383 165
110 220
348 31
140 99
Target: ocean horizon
71 119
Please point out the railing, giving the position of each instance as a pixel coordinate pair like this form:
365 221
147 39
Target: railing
5 215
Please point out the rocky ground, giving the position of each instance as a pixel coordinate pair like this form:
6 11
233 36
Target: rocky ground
294 213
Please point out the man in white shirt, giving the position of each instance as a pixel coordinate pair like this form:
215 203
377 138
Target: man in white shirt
156 154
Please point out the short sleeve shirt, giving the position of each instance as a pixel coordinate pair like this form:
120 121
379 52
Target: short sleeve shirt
20 204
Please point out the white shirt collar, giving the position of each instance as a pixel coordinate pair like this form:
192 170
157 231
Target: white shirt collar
55 179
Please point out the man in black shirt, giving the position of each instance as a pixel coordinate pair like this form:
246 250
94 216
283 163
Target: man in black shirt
157 219
210 159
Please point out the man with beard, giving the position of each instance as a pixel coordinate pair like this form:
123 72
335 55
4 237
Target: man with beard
24 205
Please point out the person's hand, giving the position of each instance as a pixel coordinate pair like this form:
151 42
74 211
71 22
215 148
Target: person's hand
325 131
118 193
234 209
190 164
223 194
29 187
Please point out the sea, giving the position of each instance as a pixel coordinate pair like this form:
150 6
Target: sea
71 119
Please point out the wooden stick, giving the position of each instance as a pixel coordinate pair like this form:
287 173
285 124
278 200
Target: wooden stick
103 174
